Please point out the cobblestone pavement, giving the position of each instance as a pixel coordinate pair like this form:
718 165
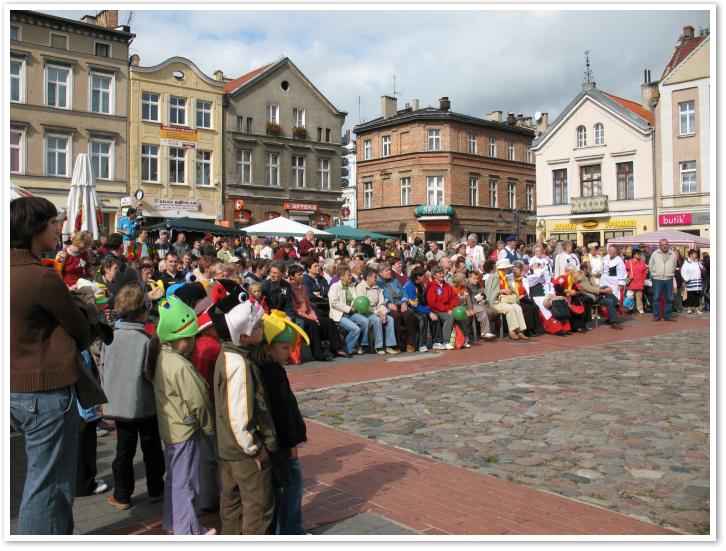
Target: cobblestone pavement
623 425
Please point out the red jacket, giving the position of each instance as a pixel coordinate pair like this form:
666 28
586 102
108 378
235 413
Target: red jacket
441 298
204 358
636 272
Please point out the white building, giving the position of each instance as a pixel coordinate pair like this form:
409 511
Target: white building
349 209
595 177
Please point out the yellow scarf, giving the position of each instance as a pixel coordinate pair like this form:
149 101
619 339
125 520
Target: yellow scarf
503 281
519 287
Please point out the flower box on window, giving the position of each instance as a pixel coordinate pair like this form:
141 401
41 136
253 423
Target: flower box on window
273 128
299 132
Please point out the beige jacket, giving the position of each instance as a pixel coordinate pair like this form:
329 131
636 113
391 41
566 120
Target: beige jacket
336 298
375 296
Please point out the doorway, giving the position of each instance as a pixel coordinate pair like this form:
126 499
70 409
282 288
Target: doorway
589 237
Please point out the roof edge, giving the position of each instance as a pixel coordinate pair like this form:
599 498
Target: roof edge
177 59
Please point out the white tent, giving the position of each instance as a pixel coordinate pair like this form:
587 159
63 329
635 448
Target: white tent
283 227
84 212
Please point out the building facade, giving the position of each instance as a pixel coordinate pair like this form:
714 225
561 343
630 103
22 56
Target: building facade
683 115
175 140
440 175
68 87
349 210
282 148
595 178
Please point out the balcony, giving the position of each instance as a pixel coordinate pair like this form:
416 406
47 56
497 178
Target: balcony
585 205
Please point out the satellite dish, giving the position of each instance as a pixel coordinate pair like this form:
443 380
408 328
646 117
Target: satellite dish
538 116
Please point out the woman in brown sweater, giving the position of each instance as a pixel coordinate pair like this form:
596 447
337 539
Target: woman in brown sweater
47 333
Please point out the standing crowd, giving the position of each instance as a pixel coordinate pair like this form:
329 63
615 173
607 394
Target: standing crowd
181 346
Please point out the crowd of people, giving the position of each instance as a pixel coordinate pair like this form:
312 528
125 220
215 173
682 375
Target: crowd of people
155 337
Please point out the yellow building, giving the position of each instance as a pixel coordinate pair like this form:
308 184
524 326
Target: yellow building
175 140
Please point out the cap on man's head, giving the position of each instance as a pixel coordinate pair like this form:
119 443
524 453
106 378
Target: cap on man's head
593 245
510 238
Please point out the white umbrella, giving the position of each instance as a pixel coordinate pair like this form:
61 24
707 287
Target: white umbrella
283 227
84 212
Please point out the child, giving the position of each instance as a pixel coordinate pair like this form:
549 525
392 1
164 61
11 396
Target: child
476 294
184 412
245 431
131 400
282 336
256 292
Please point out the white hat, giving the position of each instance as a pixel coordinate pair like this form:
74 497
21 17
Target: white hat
472 237
241 319
592 245
503 264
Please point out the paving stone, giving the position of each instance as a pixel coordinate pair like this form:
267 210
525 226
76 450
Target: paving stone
645 473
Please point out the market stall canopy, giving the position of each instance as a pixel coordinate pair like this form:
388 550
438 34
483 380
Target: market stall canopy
674 237
194 225
283 227
348 232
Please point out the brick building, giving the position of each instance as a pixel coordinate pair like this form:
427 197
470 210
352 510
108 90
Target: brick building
440 175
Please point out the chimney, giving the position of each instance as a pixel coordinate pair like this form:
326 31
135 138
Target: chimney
389 107
688 32
109 19
415 104
90 19
444 103
495 116
219 75
134 60
542 123
511 119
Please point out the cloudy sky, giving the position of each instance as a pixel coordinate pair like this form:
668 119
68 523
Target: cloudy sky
520 61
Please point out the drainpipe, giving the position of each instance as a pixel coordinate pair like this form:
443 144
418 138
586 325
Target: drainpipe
655 190
225 102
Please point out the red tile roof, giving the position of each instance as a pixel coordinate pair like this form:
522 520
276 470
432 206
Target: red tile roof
680 53
232 85
634 107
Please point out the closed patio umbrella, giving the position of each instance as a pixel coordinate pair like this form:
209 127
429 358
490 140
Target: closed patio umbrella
84 212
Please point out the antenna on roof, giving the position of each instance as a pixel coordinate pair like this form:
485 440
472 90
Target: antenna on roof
395 93
128 21
359 119
588 82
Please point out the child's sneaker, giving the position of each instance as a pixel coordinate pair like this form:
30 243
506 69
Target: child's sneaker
438 346
449 346
101 487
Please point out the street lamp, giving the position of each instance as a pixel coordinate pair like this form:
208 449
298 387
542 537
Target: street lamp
515 216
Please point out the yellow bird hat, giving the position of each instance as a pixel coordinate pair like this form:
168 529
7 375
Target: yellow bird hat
276 328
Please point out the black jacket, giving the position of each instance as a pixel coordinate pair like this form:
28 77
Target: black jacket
278 298
368 250
289 424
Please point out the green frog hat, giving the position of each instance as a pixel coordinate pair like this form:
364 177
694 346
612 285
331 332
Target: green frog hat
176 320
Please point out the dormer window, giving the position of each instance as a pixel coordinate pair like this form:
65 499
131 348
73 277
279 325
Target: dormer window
599 134
581 136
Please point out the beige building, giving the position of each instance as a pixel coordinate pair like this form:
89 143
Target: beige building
68 95
175 140
595 177
683 116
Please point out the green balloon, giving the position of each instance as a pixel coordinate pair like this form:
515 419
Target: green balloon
362 305
459 313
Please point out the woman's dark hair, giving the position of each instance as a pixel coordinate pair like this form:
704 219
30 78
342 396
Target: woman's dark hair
114 241
308 262
692 251
107 263
489 265
417 273
294 269
340 245
29 216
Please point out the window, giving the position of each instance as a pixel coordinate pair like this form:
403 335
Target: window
581 136
17 79
149 163
493 193
272 168
386 145
249 125
273 113
687 112
177 110
57 40
149 107
492 147
324 173
405 191
472 144
204 168
204 114
626 186
298 117
473 191
102 49
58 87
559 187
327 135
434 190
510 151
17 152
599 134
367 150
14 32
528 154
101 152
320 134
367 195
56 155
590 183
434 139
529 197
240 123
101 86
512 195
176 165
298 171
244 166
688 177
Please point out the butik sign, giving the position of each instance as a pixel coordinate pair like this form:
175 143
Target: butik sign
684 219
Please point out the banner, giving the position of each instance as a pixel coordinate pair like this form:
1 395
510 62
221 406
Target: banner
178 136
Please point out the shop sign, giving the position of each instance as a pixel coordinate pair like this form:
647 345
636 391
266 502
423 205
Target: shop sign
289 205
433 210
243 216
171 204
271 215
345 213
565 227
590 224
322 220
125 201
620 224
684 219
178 136
239 204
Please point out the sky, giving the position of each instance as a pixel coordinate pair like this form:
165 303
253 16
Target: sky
509 60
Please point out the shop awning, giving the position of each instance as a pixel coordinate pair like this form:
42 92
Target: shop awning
674 237
191 225
284 227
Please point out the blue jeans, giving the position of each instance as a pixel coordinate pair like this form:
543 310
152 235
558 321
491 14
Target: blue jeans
662 287
611 301
378 328
289 501
356 326
50 424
